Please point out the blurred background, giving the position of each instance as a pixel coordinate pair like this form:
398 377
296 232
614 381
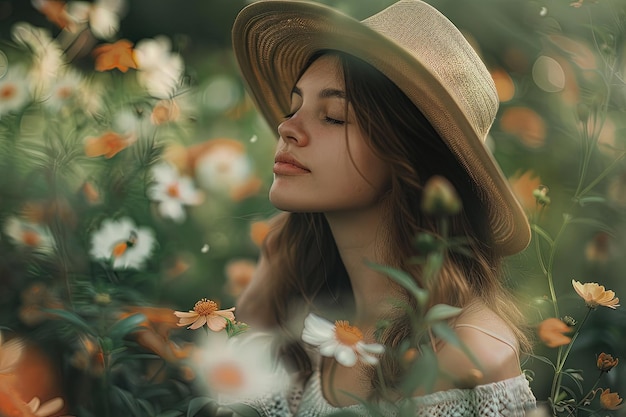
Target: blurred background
79 146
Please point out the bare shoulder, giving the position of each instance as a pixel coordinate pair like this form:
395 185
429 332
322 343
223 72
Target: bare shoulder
492 343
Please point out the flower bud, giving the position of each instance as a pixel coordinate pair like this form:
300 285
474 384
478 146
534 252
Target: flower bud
609 400
569 320
541 195
102 298
606 362
440 197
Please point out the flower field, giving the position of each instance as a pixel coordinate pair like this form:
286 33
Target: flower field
134 172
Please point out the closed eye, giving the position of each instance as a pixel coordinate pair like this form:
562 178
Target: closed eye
334 121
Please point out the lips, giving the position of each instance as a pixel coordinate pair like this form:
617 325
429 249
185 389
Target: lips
286 164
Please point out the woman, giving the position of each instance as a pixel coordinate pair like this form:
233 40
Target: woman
368 112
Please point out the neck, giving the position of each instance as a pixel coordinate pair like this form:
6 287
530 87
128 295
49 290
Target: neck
361 237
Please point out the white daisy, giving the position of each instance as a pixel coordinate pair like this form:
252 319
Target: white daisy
340 340
172 191
159 70
47 55
65 91
241 367
29 235
102 16
122 243
223 167
14 91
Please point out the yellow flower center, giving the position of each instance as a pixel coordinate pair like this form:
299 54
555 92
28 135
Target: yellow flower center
205 307
120 248
226 377
173 190
65 93
346 334
31 238
7 92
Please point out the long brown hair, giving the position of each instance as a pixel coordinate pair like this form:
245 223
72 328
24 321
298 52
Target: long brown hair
304 260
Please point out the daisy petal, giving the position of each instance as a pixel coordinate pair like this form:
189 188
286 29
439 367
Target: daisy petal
345 356
201 321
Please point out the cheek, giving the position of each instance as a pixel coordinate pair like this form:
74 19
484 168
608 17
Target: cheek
376 172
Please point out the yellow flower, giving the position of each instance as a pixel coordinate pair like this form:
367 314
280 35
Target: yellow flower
206 312
596 295
610 400
606 362
551 332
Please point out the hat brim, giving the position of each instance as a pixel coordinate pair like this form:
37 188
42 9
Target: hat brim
273 41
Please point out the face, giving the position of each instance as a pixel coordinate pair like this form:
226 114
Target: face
322 162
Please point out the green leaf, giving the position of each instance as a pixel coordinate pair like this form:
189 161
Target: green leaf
434 261
170 413
423 372
122 327
196 404
441 312
447 334
243 410
593 223
403 279
72 319
542 233
544 360
591 199
576 376
127 398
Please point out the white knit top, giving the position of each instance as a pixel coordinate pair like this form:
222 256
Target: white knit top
509 398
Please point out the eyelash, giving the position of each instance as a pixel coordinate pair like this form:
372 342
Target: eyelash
327 119
334 121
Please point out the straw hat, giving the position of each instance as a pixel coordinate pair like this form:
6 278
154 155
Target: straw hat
418 49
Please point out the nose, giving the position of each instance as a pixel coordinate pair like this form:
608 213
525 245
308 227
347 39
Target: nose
292 131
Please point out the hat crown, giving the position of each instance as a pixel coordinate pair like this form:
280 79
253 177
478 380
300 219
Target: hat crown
433 40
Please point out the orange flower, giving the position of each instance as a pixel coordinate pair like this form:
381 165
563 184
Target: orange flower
54 11
258 232
504 84
238 275
610 400
524 123
595 295
523 185
89 357
551 332
91 193
118 55
205 312
165 111
246 189
107 145
606 362
599 248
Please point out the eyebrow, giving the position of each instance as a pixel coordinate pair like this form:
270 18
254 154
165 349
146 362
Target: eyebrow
325 93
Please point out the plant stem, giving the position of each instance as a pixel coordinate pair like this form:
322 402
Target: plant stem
553 247
560 362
